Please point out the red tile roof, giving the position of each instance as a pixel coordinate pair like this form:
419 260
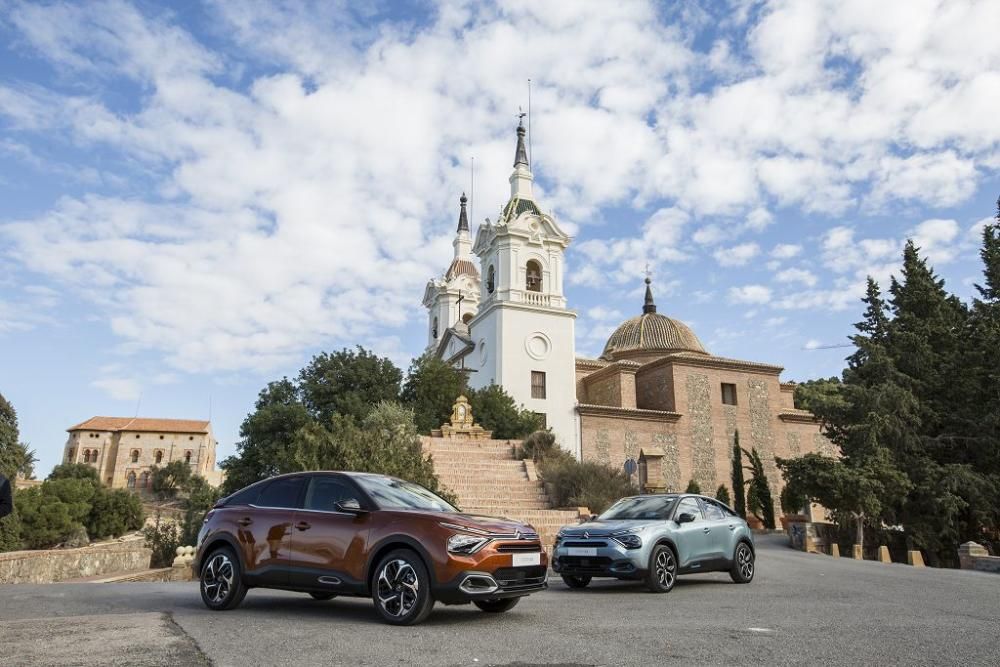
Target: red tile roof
141 424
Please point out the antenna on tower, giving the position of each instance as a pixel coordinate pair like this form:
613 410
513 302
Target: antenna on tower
530 153
138 402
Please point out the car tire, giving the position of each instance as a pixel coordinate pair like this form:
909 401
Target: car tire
744 566
401 588
221 580
322 596
576 581
496 606
662 572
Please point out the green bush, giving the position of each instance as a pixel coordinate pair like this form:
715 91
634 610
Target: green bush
722 494
45 520
167 481
539 445
10 531
200 498
496 411
792 500
692 487
74 471
114 513
588 484
163 538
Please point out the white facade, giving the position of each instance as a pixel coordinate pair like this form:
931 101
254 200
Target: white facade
455 297
522 336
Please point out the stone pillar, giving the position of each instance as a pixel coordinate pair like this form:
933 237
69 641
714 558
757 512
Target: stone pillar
835 550
883 555
968 552
857 554
915 558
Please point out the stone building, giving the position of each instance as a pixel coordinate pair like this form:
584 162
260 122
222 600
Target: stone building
655 395
124 449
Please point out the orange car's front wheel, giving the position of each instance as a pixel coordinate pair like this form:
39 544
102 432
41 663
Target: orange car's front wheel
401 588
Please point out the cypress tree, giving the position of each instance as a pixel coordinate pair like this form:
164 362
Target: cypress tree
739 499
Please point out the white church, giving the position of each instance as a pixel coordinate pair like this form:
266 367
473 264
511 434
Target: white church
509 324
655 395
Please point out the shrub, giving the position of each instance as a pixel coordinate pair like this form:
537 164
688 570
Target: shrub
163 538
539 445
496 411
10 531
588 484
171 478
200 498
792 500
722 494
693 487
75 471
45 520
114 513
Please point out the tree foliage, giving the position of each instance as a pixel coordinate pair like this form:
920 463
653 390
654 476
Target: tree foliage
693 487
739 504
759 500
722 494
917 415
430 390
347 383
496 411
583 484
167 481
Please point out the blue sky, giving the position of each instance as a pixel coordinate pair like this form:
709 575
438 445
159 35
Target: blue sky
195 200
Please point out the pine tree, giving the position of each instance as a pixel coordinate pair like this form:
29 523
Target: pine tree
759 499
693 487
739 501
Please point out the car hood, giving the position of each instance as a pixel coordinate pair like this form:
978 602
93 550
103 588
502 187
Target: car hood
603 528
473 522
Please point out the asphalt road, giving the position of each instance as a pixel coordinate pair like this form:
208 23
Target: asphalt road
800 609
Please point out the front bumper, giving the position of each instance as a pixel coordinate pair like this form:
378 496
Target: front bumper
505 582
601 557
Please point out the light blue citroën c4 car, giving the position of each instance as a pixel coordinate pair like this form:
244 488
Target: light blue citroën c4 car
654 538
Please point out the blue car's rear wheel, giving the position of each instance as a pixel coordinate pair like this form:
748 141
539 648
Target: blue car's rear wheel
662 572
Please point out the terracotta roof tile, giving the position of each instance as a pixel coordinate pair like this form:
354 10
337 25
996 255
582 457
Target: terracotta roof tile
142 424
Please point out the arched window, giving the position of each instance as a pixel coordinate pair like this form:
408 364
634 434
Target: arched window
71 455
187 457
135 456
159 456
86 456
144 480
130 480
93 456
533 276
491 280
435 331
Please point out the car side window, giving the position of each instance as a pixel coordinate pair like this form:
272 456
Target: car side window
282 493
325 492
247 496
690 506
713 512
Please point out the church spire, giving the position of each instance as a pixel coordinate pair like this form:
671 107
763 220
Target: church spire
521 155
648 306
463 218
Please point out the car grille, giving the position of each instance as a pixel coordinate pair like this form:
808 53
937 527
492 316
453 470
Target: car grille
592 544
520 578
585 564
519 547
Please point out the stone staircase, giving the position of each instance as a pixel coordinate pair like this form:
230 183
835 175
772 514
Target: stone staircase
488 480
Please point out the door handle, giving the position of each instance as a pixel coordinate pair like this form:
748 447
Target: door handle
302 525
706 530
245 521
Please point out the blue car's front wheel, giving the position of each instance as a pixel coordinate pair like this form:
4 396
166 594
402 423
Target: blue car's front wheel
743 564
662 573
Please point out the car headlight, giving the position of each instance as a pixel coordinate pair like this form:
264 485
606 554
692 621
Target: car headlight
465 544
629 538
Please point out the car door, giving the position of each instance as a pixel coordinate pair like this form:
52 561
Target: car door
693 536
265 531
328 544
720 535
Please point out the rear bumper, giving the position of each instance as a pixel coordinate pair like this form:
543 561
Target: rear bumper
505 582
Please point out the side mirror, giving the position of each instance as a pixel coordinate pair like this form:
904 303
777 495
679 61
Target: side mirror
350 506
685 517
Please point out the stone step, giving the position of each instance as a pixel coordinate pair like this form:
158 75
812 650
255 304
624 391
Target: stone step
508 507
479 464
493 484
490 498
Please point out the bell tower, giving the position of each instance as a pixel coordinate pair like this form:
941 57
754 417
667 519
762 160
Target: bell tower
452 300
523 332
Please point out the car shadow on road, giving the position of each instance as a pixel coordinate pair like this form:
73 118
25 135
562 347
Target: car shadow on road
613 586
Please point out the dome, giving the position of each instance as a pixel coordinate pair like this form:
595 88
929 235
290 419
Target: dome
650 332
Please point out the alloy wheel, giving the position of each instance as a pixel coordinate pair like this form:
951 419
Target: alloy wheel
744 560
666 568
217 578
398 587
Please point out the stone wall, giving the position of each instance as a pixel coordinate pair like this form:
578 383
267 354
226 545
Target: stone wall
654 389
49 566
973 556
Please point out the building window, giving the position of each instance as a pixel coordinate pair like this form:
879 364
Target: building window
728 394
434 330
93 456
144 480
161 437
543 421
135 456
533 276
159 457
86 456
537 384
136 436
491 280
187 457
71 455
130 480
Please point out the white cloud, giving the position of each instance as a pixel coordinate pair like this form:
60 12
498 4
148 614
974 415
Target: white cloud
750 294
737 255
786 250
812 344
802 276
120 389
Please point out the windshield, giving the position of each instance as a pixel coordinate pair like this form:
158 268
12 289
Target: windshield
390 493
655 508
